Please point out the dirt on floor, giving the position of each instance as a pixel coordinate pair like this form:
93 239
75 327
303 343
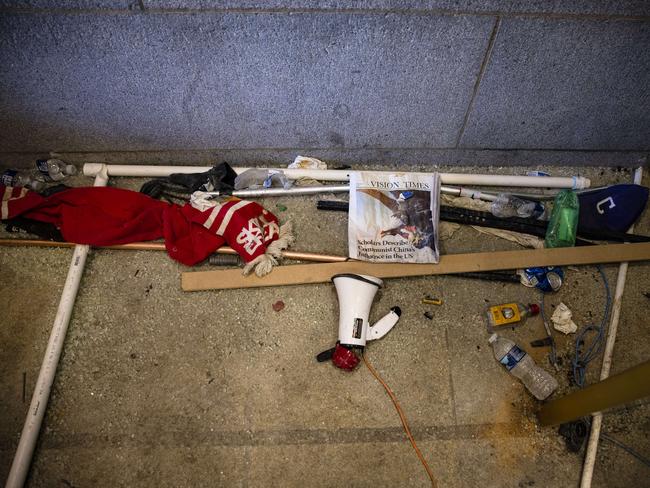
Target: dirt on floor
160 387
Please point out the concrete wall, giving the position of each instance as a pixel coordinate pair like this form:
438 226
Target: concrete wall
448 81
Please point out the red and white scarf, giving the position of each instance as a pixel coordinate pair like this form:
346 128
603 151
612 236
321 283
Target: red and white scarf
105 216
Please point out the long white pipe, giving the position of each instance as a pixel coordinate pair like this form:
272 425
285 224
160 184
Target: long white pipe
597 418
315 190
41 395
574 182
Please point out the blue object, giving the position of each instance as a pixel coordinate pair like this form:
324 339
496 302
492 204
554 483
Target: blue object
613 208
549 278
7 178
512 357
587 352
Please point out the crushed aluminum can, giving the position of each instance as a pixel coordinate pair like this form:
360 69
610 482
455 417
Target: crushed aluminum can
547 279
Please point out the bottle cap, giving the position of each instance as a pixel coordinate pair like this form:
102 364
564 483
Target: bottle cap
534 308
493 338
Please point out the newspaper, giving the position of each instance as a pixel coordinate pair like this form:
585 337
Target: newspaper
394 217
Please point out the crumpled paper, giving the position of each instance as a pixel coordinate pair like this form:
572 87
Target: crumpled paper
525 240
561 319
447 229
203 201
465 202
304 162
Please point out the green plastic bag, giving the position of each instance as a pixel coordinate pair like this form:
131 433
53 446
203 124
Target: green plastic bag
562 228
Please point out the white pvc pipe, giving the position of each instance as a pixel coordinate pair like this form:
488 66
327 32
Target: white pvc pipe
469 193
574 182
597 418
29 436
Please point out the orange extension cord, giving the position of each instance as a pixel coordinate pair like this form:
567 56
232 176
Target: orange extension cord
402 417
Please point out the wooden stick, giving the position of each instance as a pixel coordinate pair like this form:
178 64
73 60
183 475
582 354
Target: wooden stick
134 246
619 389
160 246
449 264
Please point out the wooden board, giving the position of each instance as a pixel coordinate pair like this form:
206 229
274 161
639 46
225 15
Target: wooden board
300 274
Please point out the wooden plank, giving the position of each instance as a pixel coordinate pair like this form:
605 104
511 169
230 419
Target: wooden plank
616 390
451 263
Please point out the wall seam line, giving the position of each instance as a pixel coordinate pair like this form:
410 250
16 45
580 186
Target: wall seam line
409 12
643 151
479 78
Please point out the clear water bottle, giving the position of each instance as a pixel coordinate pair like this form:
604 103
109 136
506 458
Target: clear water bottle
13 177
54 169
510 206
562 229
521 365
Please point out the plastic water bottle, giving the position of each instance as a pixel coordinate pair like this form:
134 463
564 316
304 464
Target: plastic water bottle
563 226
54 169
510 206
521 365
13 177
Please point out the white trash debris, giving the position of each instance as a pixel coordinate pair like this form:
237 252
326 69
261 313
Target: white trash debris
525 240
304 162
561 319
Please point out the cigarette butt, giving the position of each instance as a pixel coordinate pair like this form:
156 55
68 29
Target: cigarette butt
432 301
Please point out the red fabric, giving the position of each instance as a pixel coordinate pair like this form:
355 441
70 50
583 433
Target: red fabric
103 216
187 241
246 226
15 201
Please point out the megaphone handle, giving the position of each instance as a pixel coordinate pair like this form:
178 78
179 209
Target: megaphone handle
325 355
384 324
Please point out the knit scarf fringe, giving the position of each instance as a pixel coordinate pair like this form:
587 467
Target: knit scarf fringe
263 264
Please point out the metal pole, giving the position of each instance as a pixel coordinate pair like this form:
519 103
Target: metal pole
315 190
29 436
293 191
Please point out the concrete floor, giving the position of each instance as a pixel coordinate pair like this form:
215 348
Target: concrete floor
158 387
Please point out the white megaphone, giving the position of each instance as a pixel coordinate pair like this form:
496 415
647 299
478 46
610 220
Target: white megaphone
356 293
